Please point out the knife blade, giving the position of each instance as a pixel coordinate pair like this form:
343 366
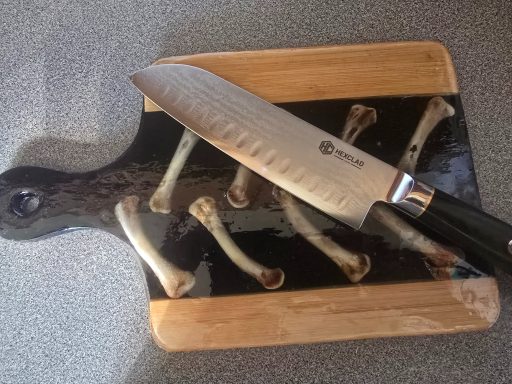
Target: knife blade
318 168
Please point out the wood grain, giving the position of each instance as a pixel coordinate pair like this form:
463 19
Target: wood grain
338 72
352 312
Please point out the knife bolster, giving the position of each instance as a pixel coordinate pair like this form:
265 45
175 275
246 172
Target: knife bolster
411 195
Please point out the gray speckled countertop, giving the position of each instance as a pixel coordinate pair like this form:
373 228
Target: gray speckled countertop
74 309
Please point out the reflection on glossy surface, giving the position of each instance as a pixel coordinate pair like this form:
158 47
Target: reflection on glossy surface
35 201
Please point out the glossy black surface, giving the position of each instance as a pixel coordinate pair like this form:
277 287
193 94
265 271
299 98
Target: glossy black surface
35 202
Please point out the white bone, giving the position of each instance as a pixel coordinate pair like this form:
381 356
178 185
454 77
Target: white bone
358 119
161 199
438 256
237 193
437 110
204 209
354 264
440 259
175 281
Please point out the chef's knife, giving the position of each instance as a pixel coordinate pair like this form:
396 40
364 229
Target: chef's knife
331 175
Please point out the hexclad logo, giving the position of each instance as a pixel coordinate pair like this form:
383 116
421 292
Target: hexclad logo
326 147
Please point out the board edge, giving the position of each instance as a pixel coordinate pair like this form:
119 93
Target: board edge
239 67
286 317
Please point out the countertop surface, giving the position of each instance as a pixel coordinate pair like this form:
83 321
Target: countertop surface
73 308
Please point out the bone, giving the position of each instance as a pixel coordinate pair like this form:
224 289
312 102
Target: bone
161 200
436 111
204 209
174 280
355 265
237 194
439 257
359 118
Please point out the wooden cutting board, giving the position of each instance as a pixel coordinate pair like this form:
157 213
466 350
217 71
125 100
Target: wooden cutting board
401 305
402 293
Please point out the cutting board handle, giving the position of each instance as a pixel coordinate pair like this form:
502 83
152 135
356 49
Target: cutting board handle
36 202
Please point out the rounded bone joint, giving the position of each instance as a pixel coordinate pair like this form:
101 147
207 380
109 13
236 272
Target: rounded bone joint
355 265
436 111
237 193
161 200
174 280
204 209
358 119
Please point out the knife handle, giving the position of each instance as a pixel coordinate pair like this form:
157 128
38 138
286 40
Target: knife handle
469 228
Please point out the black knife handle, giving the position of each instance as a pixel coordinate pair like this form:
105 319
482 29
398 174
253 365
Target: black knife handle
470 229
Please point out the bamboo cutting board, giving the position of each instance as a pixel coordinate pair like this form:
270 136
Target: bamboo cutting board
313 82
407 290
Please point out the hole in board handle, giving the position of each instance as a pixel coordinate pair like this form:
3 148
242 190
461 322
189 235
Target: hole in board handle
25 203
